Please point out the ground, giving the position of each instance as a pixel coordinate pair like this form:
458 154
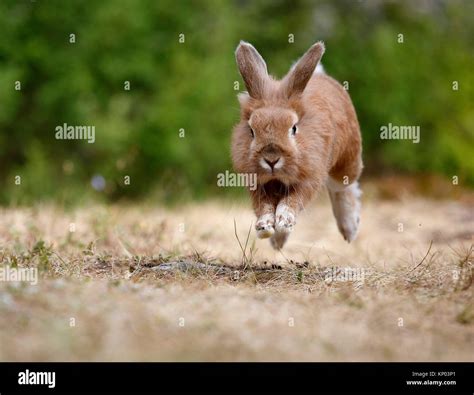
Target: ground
145 282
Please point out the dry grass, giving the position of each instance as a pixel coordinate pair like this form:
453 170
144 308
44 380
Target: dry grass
147 283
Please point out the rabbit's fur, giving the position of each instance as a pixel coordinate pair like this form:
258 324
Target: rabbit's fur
298 135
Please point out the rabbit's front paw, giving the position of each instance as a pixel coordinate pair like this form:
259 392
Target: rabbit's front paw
285 219
265 226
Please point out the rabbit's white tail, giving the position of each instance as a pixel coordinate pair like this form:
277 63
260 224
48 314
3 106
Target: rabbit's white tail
319 69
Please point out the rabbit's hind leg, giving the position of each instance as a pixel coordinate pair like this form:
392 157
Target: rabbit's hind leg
346 205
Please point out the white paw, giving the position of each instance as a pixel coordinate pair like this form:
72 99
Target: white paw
349 227
285 219
265 226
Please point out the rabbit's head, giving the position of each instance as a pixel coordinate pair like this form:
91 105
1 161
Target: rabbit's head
270 138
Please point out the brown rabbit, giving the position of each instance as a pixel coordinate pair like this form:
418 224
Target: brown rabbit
298 135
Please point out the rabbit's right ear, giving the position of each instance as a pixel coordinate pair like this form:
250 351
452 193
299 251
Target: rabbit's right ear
296 80
253 69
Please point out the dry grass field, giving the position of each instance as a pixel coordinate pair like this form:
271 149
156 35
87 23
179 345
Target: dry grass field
157 284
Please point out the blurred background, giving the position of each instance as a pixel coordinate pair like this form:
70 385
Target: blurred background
170 132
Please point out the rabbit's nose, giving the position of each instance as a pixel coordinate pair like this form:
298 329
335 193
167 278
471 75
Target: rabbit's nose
272 162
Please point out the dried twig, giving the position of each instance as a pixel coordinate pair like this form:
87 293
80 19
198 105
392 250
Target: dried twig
427 252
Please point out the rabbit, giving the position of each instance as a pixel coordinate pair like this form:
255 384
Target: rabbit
298 135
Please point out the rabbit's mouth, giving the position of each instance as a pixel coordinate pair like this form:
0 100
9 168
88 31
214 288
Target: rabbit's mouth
272 165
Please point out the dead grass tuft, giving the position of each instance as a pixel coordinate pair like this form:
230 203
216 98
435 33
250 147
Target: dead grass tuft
130 284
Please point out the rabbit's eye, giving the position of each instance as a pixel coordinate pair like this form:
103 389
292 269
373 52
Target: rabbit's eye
252 133
294 129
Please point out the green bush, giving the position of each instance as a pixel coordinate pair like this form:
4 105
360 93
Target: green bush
190 86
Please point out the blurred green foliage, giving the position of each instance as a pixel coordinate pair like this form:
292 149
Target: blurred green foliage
190 86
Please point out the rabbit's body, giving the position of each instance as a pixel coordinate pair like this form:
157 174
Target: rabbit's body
298 135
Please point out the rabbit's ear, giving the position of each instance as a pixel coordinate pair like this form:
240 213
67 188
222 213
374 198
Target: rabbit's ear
253 69
299 75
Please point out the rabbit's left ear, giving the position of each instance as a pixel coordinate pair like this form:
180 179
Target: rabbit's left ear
253 69
299 76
